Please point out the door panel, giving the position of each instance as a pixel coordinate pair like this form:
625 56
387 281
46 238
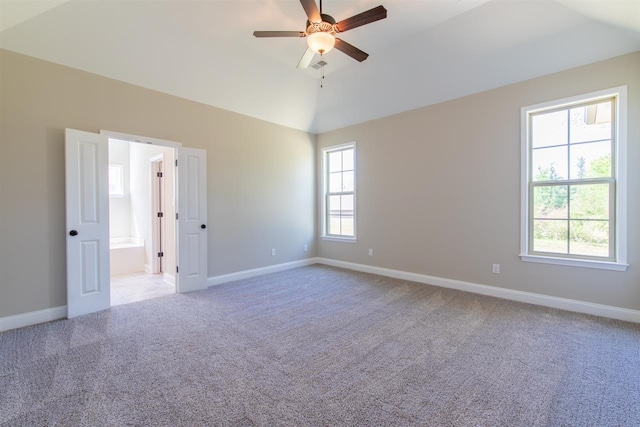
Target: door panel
87 203
192 219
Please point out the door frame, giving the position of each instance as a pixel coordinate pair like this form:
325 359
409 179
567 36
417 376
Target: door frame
87 158
158 265
188 279
164 143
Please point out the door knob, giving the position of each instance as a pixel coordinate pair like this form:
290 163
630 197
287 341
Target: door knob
73 233
203 226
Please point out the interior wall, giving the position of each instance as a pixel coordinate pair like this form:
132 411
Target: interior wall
259 174
120 207
438 189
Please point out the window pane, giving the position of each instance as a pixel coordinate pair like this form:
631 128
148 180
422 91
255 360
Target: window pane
591 123
335 182
116 180
347 181
339 173
347 226
335 161
334 225
549 129
334 205
591 160
347 205
590 201
589 238
550 236
550 201
347 160
550 164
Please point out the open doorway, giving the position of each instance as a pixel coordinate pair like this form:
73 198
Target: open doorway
87 217
142 212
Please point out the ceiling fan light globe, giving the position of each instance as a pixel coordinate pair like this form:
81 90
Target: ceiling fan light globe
321 42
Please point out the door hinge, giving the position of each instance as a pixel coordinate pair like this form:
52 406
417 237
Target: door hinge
160 214
176 162
160 254
159 174
176 216
177 269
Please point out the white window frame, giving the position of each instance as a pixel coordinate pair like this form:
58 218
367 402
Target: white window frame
620 178
119 170
325 193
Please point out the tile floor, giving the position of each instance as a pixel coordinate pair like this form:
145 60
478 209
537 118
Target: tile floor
138 287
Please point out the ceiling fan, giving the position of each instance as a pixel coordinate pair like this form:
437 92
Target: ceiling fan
321 30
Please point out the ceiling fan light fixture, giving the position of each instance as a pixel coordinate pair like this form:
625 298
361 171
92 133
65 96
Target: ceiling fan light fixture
321 42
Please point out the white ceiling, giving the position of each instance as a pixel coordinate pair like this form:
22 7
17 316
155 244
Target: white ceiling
425 52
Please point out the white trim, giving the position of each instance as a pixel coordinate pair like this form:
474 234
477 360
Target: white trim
620 263
573 262
49 314
325 191
608 311
339 146
247 274
32 318
156 241
340 239
621 177
138 138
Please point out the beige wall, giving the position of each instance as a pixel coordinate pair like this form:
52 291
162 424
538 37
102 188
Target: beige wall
259 174
439 189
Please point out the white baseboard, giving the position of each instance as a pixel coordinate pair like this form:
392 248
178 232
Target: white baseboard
609 311
32 318
246 274
55 313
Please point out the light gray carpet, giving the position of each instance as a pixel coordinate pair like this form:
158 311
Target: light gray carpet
323 346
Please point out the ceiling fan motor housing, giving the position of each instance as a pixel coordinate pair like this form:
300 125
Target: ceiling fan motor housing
328 25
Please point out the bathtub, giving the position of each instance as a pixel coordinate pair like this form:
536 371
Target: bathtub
127 255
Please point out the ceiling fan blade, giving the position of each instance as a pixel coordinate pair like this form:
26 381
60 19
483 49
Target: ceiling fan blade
306 59
311 9
351 50
363 18
279 34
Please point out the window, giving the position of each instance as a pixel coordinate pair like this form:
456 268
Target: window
573 183
339 168
116 180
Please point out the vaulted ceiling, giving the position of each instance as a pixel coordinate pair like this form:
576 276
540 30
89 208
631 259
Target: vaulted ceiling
425 52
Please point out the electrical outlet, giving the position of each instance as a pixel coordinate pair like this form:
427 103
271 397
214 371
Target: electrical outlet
273 252
370 252
496 268
305 248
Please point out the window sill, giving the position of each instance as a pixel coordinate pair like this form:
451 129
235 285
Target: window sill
600 265
340 239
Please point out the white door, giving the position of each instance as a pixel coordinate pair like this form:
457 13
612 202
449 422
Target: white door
87 201
192 219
